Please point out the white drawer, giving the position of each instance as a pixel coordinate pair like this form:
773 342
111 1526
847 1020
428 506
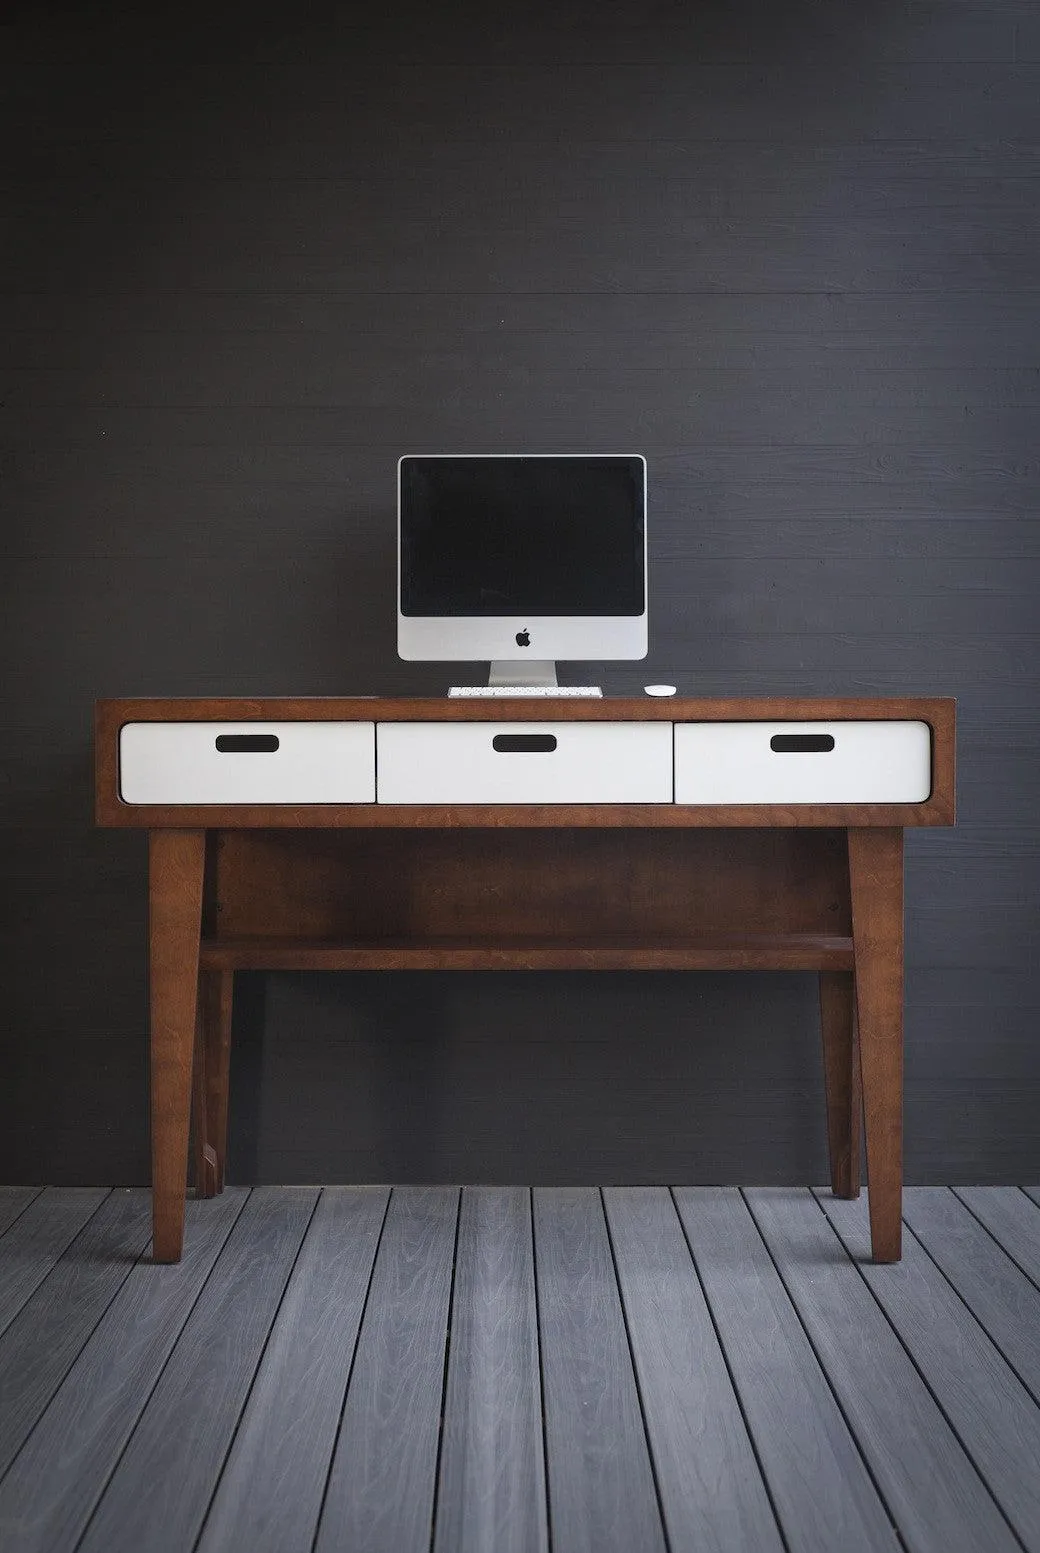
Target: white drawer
210 763
853 762
525 762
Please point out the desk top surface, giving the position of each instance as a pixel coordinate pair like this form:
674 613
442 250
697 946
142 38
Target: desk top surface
112 714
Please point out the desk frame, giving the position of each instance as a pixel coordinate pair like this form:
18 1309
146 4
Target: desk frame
751 887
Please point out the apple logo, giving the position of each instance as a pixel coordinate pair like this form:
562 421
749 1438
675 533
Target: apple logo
523 638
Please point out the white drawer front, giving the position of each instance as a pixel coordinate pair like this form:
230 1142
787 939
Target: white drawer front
301 763
869 762
525 762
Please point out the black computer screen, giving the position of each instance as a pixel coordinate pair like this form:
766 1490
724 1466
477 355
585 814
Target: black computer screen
522 536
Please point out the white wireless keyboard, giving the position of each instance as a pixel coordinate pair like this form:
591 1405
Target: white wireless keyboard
544 692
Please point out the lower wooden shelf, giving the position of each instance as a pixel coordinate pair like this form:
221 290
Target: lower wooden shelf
724 952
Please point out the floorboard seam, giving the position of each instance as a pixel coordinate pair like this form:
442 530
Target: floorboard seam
61 1379
635 1374
541 1372
996 1238
444 1375
733 1384
1030 1390
823 1368
39 1190
63 1252
909 1353
103 1486
252 1383
350 1371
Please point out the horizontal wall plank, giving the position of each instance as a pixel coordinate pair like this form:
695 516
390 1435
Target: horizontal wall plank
887 330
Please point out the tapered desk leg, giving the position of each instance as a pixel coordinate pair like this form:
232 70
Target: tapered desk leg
212 1065
842 1080
876 879
176 866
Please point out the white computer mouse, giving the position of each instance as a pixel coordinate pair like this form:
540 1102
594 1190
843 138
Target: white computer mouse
659 690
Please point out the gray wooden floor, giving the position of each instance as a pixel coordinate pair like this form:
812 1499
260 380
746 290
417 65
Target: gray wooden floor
495 1369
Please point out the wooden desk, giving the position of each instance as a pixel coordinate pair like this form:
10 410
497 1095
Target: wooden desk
262 882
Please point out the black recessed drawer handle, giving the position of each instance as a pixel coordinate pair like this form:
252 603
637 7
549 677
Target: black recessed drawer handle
524 743
802 743
247 743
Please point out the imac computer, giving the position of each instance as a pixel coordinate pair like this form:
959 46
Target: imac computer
521 559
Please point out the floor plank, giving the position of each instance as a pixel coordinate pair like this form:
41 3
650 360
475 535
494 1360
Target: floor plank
1012 1218
602 1496
37 1238
932 1489
13 1202
993 1414
712 1493
44 1339
823 1494
998 1293
419 1371
182 1437
271 1489
381 1486
59 1474
491 1487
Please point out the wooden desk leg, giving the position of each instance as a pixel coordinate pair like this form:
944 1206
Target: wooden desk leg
876 880
212 1067
841 1079
176 863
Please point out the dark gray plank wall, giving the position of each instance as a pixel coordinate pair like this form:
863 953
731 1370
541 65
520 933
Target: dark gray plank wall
787 252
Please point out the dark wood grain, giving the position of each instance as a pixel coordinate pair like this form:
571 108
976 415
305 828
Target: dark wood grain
211 1079
598 1497
876 884
905 1439
452 888
271 1486
110 716
13 1202
181 1439
176 859
841 1073
732 952
712 1494
822 1493
38 1238
994 1416
44 1339
382 1481
1003 1299
77 1443
491 1484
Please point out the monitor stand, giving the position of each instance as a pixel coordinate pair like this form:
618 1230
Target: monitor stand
536 672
